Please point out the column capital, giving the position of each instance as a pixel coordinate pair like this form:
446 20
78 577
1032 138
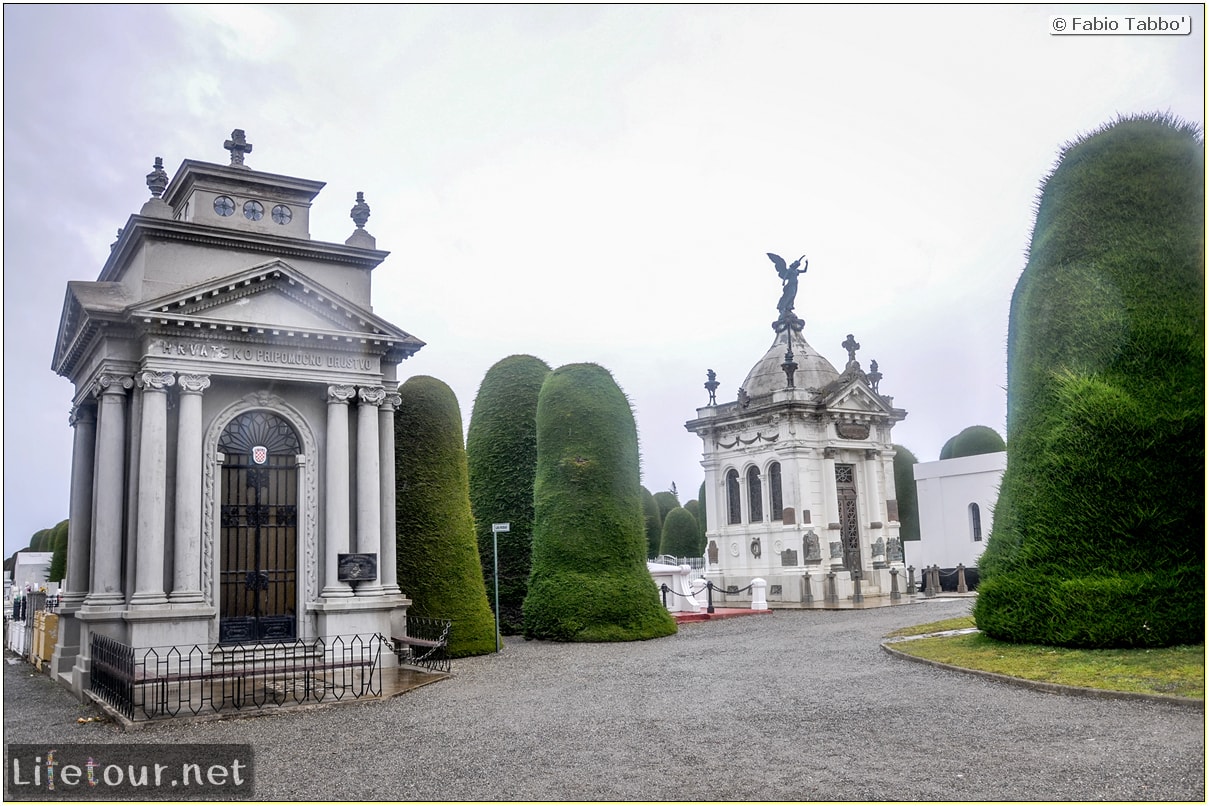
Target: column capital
81 414
152 381
337 393
108 384
393 401
193 384
371 395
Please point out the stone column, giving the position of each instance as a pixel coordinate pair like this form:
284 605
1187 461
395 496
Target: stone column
79 533
336 522
105 588
873 492
369 483
186 558
152 490
831 511
388 565
79 527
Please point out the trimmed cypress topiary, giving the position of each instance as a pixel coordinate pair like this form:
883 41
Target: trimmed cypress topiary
680 534
438 557
589 579
973 441
653 523
58 562
501 453
1099 528
906 492
41 540
693 507
666 501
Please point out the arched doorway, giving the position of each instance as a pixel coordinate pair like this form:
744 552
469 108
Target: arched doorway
258 576
850 536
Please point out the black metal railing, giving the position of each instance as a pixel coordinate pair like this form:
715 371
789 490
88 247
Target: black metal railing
163 682
426 644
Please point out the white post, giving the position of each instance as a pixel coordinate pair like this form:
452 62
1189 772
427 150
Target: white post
758 600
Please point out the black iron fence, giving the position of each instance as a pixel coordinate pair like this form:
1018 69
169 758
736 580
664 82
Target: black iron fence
426 644
162 682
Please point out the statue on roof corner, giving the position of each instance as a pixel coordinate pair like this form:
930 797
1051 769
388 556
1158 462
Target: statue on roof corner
789 280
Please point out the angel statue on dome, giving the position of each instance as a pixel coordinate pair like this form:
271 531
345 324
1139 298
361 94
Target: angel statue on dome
789 280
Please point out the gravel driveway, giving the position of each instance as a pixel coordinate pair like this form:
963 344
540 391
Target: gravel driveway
796 705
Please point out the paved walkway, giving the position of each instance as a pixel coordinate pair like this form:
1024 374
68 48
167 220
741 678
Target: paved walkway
795 705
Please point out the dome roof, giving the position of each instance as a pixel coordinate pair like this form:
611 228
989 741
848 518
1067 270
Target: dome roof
814 371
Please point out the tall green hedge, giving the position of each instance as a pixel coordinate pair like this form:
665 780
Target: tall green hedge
438 557
652 523
589 579
680 534
906 493
501 452
973 441
1099 529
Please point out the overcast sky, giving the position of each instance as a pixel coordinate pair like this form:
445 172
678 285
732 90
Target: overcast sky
584 183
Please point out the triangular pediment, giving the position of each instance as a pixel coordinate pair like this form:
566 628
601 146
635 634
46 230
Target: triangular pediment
269 297
856 397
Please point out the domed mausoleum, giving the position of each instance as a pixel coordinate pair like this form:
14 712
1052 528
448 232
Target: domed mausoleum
799 476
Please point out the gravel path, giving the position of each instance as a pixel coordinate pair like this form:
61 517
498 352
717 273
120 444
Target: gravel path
796 705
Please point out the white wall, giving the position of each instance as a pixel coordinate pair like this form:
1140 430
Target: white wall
946 489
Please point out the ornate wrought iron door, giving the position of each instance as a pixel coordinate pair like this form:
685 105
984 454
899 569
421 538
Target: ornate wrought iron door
258 581
850 535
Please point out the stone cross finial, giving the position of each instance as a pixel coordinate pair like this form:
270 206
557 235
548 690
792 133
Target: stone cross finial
157 180
238 146
360 212
851 346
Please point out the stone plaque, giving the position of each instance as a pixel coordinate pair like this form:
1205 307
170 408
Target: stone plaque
892 509
356 567
852 430
787 516
810 547
789 557
805 516
713 553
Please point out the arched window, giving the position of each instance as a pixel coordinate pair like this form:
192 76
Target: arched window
975 523
755 505
776 502
732 497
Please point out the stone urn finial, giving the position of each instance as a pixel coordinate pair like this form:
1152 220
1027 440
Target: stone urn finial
157 180
360 211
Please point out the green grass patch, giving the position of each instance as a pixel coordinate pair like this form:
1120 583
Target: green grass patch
1177 671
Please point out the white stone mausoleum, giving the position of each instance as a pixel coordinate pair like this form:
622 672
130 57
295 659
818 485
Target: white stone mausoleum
799 477
233 463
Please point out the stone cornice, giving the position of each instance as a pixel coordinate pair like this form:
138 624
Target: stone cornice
139 228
